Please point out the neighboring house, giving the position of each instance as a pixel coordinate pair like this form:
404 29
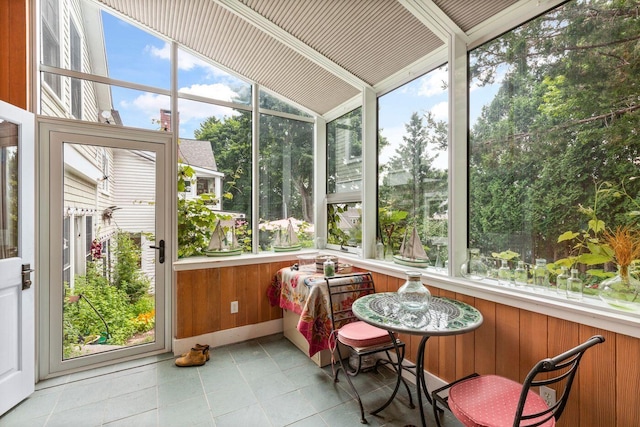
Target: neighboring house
88 191
348 152
199 155
105 189
134 197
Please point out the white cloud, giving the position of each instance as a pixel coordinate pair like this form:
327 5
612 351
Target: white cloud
440 111
198 111
433 83
186 61
147 105
215 91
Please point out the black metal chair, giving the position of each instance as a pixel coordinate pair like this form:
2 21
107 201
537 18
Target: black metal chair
361 338
492 400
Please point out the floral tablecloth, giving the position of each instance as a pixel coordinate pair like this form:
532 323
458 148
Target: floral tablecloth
305 293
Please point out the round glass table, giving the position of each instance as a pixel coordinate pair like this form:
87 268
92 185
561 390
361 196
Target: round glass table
446 316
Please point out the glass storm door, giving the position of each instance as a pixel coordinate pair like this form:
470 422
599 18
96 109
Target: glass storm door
107 251
17 311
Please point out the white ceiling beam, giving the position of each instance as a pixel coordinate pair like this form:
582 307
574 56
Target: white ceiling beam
268 27
427 12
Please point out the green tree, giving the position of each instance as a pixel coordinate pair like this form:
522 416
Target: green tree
230 139
127 275
565 116
413 165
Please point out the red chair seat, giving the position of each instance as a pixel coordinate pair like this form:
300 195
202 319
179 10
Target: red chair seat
360 334
492 401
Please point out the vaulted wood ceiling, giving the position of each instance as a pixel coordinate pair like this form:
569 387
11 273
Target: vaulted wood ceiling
317 53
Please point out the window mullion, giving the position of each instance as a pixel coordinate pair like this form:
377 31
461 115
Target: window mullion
458 184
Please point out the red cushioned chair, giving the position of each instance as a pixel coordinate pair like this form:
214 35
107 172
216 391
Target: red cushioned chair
360 337
494 401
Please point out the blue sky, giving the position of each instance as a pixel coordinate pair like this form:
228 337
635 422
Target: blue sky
126 45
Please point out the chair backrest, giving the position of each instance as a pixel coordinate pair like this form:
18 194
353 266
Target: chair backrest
560 370
343 291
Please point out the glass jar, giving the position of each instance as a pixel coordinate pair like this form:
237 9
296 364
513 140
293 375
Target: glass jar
414 298
474 268
438 264
540 275
561 281
329 268
520 275
574 286
504 273
621 290
379 250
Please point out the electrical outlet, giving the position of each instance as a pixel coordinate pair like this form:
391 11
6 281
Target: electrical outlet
234 306
548 394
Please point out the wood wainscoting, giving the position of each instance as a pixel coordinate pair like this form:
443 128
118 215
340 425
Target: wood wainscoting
508 343
15 58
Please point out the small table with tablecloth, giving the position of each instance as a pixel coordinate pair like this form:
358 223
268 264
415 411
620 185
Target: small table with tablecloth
304 293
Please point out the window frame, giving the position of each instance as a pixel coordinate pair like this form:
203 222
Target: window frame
51 43
75 64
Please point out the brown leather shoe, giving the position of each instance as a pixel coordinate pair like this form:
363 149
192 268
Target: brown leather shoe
203 347
195 357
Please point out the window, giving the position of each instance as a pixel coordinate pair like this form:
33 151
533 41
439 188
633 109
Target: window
344 151
51 42
286 178
553 146
344 180
413 165
206 185
215 141
76 65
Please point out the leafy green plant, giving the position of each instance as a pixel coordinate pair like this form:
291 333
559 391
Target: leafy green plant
335 234
391 227
83 324
508 255
591 246
126 270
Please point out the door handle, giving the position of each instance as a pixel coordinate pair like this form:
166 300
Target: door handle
26 276
160 248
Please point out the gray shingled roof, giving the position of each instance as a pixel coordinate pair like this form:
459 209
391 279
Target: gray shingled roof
197 153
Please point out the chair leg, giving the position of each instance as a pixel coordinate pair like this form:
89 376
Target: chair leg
348 374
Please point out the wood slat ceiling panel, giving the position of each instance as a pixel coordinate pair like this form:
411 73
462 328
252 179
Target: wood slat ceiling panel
372 39
469 13
230 41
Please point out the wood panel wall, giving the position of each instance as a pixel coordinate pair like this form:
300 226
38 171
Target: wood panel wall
14 58
508 343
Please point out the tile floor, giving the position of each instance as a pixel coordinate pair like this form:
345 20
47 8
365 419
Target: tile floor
261 382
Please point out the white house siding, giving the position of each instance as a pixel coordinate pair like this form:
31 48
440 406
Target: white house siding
50 104
348 171
78 192
134 193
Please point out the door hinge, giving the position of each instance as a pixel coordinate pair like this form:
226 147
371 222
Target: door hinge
26 276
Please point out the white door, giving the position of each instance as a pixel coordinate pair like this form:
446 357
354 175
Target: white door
104 209
17 342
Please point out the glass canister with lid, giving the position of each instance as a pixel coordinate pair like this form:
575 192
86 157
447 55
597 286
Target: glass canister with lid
415 299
